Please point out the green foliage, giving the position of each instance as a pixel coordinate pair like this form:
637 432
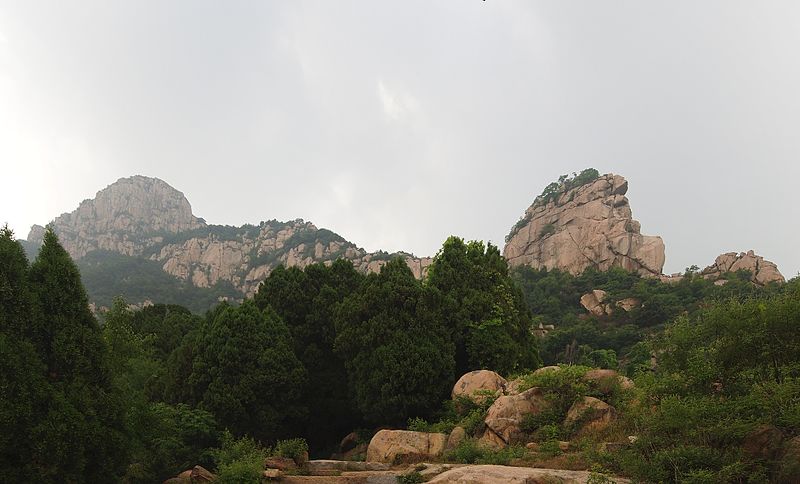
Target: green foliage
398 356
239 461
240 366
417 424
730 367
413 477
293 448
61 416
547 229
481 308
109 274
470 451
307 300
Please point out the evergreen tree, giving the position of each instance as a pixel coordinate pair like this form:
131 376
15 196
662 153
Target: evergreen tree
245 372
482 308
83 439
306 301
399 359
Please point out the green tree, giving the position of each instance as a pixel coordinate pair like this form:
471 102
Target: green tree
82 438
306 300
399 358
245 372
482 308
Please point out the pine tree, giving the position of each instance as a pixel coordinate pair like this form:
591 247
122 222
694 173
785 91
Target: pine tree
245 372
84 436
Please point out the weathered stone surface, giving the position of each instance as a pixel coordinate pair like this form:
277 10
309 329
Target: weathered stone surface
590 414
545 369
280 463
390 446
594 302
457 435
478 381
761 271
320 466
493 474
506 414
587 226
629 304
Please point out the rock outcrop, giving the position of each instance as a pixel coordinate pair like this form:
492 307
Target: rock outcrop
495 474
761 271
125 217
506 415
589 414
394 446
585 226
478 385
145 217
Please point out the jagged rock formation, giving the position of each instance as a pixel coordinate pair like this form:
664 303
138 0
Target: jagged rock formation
125 217
585 226
146 217
761 271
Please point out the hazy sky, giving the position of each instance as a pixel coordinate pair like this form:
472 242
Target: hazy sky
397 124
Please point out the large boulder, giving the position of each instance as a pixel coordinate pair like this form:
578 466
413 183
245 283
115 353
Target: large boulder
493 474
761 271
594 303
589 415
763 442
477 384
393 446
585 226
505 417
457 435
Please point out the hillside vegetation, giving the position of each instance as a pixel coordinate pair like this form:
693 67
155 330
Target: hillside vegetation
321 352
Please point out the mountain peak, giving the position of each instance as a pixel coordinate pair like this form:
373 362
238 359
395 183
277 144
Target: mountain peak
122 213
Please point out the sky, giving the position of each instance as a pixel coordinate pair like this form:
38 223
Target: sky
397 124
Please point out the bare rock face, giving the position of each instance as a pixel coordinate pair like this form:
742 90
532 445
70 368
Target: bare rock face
393 446
585 226
590 414
761 271
495 474
594 302
128 215
505 417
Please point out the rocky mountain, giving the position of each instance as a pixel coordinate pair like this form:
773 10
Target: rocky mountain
138 237
761 271
584 223
145 218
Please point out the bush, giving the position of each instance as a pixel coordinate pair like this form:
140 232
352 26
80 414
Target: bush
293 448
413 477
547 229
239 461
467 452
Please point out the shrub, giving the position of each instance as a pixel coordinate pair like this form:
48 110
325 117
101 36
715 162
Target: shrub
239 461
293 448
547 229
413 477
467 452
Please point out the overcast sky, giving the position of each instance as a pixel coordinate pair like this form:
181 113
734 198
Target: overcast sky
396 124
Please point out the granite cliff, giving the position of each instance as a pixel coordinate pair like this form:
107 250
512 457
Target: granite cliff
581 225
